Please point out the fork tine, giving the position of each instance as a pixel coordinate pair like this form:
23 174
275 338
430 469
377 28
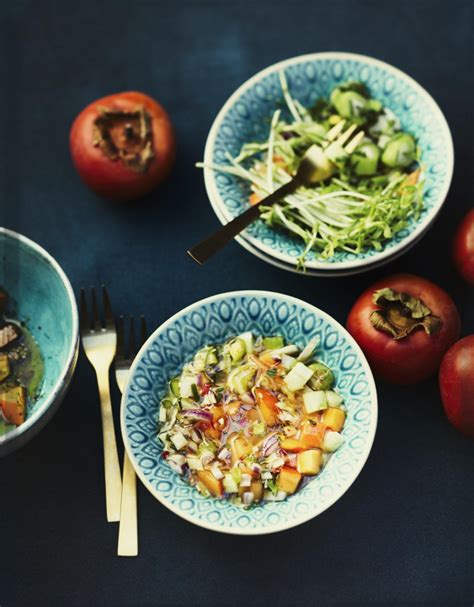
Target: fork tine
144 331
334 132
109 317
95 311
84 316
131 339
346 135
120 351
351 146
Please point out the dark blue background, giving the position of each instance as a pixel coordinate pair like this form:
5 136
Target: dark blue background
403 534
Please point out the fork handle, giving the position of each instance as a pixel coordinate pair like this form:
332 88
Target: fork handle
128 536
213 243
113 480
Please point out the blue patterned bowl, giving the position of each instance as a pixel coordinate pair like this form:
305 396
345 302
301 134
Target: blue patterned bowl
41 297
213 320
246 115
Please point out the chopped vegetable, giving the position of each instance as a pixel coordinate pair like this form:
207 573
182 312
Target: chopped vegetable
241 423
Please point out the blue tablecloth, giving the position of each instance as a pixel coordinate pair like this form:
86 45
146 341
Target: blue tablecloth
403 534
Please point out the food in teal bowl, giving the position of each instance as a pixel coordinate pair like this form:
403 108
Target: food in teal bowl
38 338
378 200
249 412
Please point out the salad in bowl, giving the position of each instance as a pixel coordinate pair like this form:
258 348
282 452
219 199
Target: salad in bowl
249 412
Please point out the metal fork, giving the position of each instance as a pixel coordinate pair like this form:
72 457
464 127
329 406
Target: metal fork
99 341
128 535
317 164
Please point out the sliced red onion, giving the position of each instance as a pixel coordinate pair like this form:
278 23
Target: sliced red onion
270 444
197 414
199 380
291 459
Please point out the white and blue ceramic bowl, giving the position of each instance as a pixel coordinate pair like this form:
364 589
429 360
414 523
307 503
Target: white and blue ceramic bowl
41 297
213 320
246 117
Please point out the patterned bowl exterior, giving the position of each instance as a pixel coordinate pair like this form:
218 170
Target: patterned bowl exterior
246 117
213 320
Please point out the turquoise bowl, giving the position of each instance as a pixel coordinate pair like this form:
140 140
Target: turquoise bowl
213 320
41 297
246 117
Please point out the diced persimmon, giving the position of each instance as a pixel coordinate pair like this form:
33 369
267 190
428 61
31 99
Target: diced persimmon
13 405
239 448
254 198
212 432
209 481
288 480
256 488
334 418
266 403
309 462
312 435
293 445
253 415
217 412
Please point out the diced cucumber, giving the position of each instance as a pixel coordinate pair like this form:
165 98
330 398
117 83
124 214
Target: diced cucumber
288 361
200 360
240 379
194 463
230 486
162 414
323 377
271 343
212 357
334 399
174 386
314 401
179 440
332 441
298 376
307 352
236 474
258 428
237 349
186 383
247 338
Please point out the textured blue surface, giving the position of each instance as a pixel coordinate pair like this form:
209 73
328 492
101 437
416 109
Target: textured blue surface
402 536
248 116
214 321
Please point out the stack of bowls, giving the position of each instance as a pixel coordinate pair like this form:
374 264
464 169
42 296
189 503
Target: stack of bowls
247 113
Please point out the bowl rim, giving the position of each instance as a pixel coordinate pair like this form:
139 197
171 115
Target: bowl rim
224 216
284 525
57 388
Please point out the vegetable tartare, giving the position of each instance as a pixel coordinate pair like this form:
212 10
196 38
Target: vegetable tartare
251 419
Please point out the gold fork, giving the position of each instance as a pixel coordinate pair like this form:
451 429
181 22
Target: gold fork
99 341
128 534
317 164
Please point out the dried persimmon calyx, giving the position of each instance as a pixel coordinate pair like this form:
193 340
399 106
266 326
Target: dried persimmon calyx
400 313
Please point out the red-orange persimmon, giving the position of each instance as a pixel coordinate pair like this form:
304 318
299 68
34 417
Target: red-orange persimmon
123 145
